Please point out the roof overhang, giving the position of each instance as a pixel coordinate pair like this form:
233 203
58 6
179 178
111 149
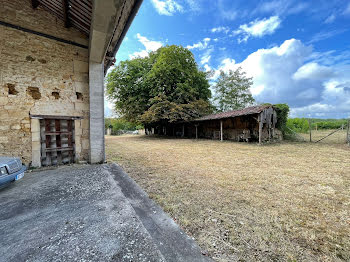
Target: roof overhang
110 21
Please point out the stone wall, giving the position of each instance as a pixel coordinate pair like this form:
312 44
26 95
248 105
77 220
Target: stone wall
40 76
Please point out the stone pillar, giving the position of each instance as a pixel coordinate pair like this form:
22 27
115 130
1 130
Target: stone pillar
97 123
36 146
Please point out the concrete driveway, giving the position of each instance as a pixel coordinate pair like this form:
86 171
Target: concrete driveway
87 213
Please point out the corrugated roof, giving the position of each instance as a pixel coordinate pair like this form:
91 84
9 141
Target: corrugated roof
241 112
76 13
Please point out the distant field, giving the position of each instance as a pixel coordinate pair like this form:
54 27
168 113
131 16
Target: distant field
244 202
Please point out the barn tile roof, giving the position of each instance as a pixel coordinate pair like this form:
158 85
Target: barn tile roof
245 111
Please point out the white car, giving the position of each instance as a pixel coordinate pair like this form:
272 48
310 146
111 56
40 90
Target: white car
11 169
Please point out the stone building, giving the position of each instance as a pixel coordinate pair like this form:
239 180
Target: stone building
53 58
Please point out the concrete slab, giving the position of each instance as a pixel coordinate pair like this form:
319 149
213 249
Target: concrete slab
87 213
71 214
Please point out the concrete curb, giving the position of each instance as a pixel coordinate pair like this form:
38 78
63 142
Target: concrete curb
173 243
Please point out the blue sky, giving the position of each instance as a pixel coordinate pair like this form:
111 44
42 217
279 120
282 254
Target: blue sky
298 52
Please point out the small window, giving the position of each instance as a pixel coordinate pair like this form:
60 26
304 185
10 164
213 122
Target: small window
34 92
79 96
11 89
56 95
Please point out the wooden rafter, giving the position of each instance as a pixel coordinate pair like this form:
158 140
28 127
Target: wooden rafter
67 22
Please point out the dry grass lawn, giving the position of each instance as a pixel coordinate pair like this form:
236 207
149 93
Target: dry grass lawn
244 202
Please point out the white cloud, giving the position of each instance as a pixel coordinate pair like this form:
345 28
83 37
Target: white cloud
258 28
325 35
314 110
148 44
313 71
207 68
194 5
205 59
225 65
200 45
167 7
290 74
227 9
330 19
220 29
347 10
280 7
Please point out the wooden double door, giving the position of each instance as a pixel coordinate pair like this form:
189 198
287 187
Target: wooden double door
57 141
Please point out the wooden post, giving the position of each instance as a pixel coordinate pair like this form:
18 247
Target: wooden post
348 133
196 131
310 129
183 131
260 129
221 131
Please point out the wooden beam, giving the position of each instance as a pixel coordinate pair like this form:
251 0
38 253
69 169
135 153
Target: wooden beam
260 128
65 4
35 3
183 131
196 131
221 131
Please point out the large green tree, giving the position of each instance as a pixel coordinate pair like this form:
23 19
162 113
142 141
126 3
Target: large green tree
165 86
232 90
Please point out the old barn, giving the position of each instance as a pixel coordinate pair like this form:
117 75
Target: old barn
256 123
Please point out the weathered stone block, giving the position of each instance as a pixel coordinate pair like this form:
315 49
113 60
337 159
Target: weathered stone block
81 77
25 121
15 127
3 101
18 114
79 106
10 107
85 124
35 136
85 143
4 139
36 158
35 125
78 131
82 87
80 66
36 145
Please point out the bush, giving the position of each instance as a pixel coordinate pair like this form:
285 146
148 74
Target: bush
282 116
328 123
298 125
